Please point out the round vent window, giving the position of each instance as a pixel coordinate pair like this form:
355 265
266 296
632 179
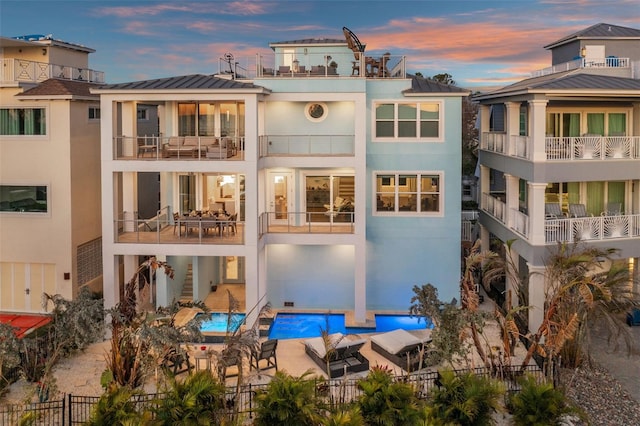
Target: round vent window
316 111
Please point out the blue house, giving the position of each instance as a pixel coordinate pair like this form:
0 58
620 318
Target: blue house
321 177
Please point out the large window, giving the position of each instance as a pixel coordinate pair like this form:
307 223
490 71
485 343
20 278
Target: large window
407 121
22 121
406 192
574 124
18 198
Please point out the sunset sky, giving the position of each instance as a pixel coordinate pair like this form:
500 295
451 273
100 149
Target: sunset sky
480 43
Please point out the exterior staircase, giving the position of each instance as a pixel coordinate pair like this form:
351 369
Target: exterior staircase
187 286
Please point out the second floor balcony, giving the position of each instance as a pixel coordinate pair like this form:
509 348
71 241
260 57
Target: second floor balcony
24 71
330 222
306 145
606 226
178 148
579 148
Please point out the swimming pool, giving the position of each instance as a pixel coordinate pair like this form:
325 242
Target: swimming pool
218 322
303 325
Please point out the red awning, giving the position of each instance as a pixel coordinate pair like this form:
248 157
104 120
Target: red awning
24 324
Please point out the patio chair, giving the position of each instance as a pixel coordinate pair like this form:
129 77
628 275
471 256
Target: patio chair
343 356
267 352
176 362
402 348
578 210
613 209
553 211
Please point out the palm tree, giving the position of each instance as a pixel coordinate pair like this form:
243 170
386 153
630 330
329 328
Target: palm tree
584 285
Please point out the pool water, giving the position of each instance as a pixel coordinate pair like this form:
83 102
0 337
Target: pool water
305 325
218 322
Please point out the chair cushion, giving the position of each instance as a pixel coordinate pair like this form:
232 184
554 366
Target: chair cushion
399 340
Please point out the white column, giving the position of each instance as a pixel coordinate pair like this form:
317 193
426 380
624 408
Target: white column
536 213
162 285
538 118
513 196
485 242
485 120
485 183
513 275
537 289
513 125
129 200
129 128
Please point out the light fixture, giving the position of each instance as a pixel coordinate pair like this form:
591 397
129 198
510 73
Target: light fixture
583 51
44 52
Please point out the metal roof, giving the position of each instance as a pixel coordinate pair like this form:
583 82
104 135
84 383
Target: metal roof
194 81
598 31
567 81
427 85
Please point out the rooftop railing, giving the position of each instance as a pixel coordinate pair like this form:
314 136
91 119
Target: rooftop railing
610 62
21 70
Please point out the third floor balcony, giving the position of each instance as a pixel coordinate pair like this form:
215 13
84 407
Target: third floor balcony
25 71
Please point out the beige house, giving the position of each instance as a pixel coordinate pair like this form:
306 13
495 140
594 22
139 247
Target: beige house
50 231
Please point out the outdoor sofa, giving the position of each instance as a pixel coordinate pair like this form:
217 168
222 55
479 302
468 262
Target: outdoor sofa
344 356
404 349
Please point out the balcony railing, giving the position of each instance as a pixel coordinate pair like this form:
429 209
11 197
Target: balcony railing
588 147
307 223
592 147
21 70
164 230
494 206
610 62
307 145
178 148
519 222
592 228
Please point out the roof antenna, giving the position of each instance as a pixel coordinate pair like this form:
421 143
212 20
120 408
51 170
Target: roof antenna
609 27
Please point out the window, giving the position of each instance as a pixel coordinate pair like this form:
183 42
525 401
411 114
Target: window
420 120
89 261
407 192
315 111
143 114
22 121
23 198
94 113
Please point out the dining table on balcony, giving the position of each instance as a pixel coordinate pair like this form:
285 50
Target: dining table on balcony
203 223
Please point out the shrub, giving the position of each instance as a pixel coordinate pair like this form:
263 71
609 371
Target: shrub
537 404
287 401
385 401
464 399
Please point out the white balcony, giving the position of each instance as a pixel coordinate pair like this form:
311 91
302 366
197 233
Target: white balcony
306 145
592 228
20 70
166 148
581 148
331 222
610 62
592 147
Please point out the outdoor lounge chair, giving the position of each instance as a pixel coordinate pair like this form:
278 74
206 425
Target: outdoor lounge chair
267 352
343 357
553 211
402 348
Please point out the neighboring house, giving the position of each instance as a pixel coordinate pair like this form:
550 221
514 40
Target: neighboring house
338 173
560 154
50 234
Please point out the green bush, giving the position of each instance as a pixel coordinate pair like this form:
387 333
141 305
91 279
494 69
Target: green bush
464 399
537 404
198 400
288 400
387 402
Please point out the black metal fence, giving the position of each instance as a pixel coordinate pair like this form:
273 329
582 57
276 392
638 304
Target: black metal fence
76 410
